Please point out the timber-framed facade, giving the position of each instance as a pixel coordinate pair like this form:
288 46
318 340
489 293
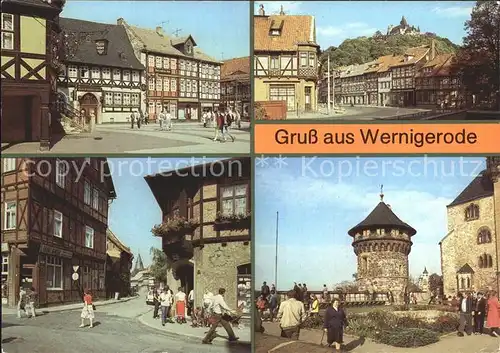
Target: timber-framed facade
211 256
235 85
55 226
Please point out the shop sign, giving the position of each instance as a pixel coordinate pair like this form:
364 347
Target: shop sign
49 250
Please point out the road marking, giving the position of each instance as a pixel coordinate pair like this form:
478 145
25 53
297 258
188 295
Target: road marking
280 346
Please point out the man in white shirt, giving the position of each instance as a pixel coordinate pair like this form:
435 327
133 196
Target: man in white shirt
291 315
220 314
161 119
165 303
190 302
168 121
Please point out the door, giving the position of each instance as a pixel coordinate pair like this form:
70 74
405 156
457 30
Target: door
307 95
89 103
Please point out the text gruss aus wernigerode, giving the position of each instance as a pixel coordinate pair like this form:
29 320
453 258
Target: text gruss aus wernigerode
371 136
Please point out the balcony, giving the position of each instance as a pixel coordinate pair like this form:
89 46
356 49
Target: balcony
308 72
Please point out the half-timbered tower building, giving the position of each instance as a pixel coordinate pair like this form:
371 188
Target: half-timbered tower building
206 228
180 77
55 216
286 60
118 266
235 84
103 80
435 84
28 61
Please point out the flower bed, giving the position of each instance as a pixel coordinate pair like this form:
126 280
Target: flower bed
395 330
175 227
232 222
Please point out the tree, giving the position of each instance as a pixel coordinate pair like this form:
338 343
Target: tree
159 266
435 283
478 61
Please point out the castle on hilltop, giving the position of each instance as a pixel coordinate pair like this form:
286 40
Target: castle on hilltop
403 29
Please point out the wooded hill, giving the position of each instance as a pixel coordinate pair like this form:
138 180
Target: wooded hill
364 49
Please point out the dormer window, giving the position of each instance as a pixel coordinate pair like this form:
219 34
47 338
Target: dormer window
276 27
275 32
101 46
189 48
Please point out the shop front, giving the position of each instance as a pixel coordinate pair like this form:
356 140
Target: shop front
188 109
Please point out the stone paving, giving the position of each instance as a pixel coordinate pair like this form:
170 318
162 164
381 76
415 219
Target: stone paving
185 138
116 330
356 113
312 338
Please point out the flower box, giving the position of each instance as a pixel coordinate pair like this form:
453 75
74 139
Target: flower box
174 229
232 222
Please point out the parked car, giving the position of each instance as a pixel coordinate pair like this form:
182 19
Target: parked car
149 298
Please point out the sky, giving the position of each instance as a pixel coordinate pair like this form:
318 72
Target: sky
339 20
320 199
216 34
135 211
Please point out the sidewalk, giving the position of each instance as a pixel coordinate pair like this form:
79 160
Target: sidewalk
196 333
68 307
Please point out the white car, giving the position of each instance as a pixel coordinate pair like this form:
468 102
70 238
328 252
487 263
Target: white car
149 298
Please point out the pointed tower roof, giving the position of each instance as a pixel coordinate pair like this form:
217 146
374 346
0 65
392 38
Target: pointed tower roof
139 266
382 217
425 271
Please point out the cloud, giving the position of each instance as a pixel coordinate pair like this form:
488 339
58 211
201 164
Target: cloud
453 11
274 7
349 30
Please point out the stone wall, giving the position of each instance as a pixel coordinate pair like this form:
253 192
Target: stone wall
460 246
496 207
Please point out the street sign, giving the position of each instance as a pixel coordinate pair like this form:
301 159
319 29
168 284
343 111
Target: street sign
75 276
75 268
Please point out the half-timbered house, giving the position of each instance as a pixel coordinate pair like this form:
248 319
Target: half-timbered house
212 248
181 78
436 85
55 216
102 79
235 84
118 266
403 75
371 82
286 60
354 85
28 60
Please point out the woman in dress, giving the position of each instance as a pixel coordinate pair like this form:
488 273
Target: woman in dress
335 320
180 306
88 309
493 316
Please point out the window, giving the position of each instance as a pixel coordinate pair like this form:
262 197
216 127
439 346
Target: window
159 84
151 61
173 85
9 164
275 62
173 64
303 59
188 86
108 98
485 261
159 62
135 99
87 191
7 31
194 86
472 212
58 224
89 237
151 84
166 63
95 199
484 236
234 199
106 73
126 75
311 59
84 72
166 85
117 75
5 265
117 98
54 272
135 76
126 98
10 215
61 171
72 71
95 73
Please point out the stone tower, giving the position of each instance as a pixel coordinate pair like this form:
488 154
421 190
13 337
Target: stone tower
382 243
423 281
493 170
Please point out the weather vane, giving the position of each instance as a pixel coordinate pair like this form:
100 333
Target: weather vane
381 192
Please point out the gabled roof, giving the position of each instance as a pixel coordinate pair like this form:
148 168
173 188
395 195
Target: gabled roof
440 66
412 56
114 239
465 269
383 217
481 186
119 52
237 68
181 40
295 30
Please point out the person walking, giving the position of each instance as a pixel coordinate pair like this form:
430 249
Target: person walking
156 303
204 118
220 316
138 118
325 293
190 302
32 300
479 314
132 120
88 309
273 305
237 117
207 305
493 316
291 314
264 290
161 118
314 305
165 302
465 308
168 121
21 304
228 121
219 128
334 323
180 306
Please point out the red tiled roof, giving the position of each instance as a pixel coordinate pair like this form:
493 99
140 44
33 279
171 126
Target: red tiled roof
236 68
295 30
414 54
440 66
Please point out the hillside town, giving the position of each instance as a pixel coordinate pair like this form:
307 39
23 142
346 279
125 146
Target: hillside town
295 78
65 272
110 81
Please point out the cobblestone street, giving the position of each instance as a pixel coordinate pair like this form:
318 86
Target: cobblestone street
116 330
120 138
356 113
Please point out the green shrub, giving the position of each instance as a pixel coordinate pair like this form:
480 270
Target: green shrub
444 324
313 322
408 337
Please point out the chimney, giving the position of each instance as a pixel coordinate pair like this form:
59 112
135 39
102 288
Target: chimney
159 31
282 13
433 49
261 10
120 22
